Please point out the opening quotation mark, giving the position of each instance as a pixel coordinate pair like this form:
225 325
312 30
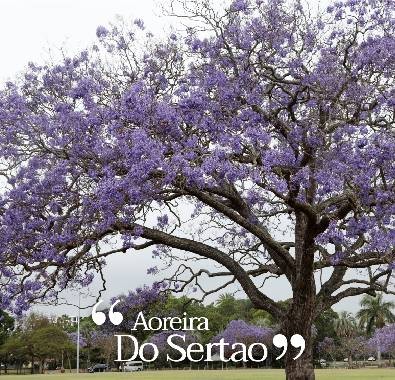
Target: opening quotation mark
99 317
297 341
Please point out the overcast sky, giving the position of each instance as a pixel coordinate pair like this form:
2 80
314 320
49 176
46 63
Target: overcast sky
29 30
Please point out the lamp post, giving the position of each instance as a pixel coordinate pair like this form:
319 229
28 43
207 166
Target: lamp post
78 331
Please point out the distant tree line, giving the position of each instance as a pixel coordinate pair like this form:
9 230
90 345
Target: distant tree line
39 342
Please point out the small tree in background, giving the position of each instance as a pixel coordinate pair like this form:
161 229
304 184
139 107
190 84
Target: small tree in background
47 343
347 330
328 348
37 338
384 339
160 340
238 331
7 325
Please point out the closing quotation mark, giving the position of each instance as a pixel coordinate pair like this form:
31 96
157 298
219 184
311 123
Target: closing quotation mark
99 317
297 341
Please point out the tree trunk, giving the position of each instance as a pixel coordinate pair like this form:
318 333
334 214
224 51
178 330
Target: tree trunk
301 368
300 316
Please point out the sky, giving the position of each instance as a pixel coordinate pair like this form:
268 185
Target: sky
30 28
35 30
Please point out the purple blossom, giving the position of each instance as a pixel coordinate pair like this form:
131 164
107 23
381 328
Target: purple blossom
384 339
184 339
139 23
101 31
239 331
145 298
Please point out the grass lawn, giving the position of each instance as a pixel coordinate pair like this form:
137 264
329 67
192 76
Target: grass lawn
335 374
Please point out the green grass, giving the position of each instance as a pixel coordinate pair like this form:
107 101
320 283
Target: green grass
329 374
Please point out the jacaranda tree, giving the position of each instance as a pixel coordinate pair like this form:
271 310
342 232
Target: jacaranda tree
261 139
238 331
383 339
160 340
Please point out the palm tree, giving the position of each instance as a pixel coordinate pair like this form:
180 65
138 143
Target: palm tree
345 325
375 313
346 329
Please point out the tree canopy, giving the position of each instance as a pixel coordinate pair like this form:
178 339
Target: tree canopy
261 138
